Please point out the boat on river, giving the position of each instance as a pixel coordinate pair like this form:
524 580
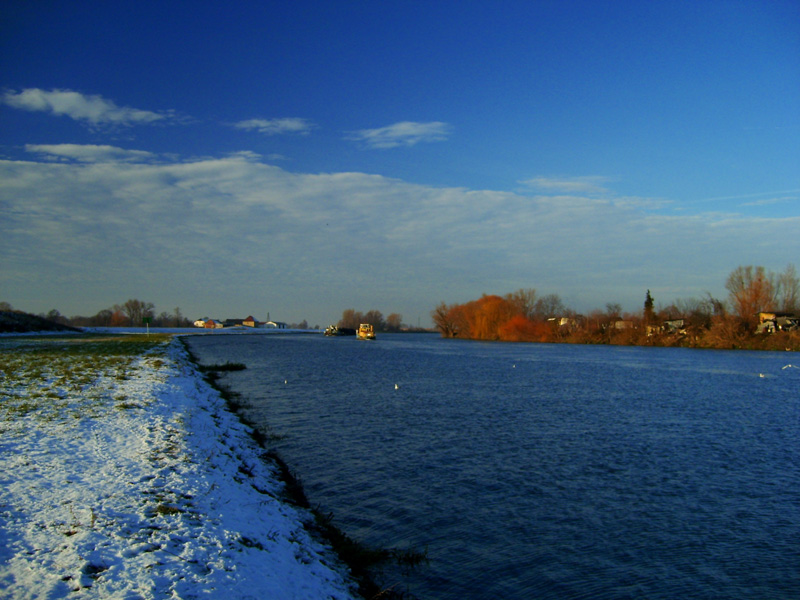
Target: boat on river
336 331
365 331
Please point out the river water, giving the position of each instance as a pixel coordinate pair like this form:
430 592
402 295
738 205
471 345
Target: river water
537 471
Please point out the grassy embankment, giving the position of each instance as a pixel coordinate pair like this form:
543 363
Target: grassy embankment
63 378
71 376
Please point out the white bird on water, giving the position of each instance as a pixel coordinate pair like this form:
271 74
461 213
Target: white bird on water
397 387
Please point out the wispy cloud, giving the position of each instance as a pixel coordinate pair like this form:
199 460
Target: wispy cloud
93 109
746 196
277 126
89 153
568 185
771 201
405 133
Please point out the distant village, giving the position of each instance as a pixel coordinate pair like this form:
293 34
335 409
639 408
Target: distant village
206 323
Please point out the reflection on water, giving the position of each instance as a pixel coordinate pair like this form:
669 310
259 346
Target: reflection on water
542 471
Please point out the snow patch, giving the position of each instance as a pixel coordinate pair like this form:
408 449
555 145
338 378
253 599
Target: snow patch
146 487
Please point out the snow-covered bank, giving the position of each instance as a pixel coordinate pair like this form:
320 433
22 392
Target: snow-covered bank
138 483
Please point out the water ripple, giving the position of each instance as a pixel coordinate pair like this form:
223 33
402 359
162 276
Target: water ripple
542 471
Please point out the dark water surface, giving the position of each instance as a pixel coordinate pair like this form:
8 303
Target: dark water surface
535 471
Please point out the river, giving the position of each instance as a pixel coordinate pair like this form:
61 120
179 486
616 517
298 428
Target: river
538 471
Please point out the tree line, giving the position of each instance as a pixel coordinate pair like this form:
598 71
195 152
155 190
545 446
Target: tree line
352 318
133 314
129 314
523 316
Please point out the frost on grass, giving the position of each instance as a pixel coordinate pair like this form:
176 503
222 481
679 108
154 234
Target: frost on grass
123 475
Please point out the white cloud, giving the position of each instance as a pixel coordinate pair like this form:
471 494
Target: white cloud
234 236
568 185
405 133
771 201
93 109
277 126
747 196
89 153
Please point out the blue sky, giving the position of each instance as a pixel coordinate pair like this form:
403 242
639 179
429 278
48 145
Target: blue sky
307 157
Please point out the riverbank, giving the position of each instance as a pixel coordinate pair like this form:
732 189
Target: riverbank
124 475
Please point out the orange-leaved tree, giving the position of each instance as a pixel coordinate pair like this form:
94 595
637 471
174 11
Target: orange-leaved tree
486 315
521 329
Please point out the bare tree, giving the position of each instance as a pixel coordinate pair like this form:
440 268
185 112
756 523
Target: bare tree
787 290
445 319
375 318
351 319
684 307
548 306
524 300
717 306
613 310
102 318
394 322
750 292
118 318
136 311
56 317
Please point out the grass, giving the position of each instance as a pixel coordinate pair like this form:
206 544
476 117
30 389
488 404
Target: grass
60 377
168 509
47 382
